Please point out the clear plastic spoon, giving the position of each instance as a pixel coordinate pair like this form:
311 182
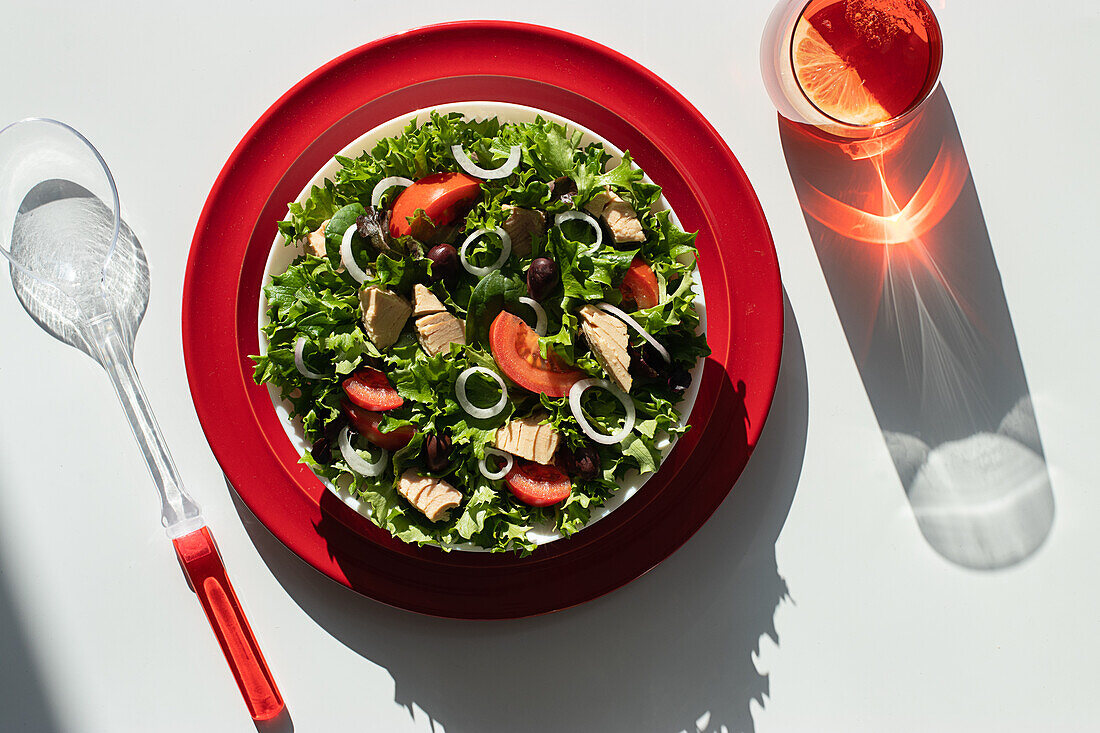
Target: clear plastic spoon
81 274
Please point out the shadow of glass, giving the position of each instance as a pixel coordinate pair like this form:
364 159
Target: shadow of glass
671 651
899 232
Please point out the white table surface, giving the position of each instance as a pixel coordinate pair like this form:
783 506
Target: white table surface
810 601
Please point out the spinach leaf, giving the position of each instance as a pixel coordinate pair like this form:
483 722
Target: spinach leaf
339 224
341 220
487 301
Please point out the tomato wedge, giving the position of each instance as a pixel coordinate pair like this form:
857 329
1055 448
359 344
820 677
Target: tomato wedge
640 284
441 196
538 485
515 346
366 423
368 388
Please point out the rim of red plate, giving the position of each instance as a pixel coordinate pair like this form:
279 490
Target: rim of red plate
496 61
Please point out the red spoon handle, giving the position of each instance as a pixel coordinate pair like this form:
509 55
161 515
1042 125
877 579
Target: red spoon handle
203 565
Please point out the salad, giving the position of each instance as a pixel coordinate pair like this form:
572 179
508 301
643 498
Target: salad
488 328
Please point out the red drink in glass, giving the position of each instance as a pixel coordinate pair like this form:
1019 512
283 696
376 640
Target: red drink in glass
852 67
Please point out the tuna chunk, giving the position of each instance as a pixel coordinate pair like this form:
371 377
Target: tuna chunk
425 302
315 241
608 340
528 439
384 315
438 331
432 497
620 216
520 225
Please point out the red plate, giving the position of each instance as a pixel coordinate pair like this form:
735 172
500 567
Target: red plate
495 61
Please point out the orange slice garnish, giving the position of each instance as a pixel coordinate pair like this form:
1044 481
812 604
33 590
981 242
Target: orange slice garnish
830 82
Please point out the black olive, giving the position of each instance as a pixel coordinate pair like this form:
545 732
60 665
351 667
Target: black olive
679 380
437 452
542 276
445 263
646 362
587 462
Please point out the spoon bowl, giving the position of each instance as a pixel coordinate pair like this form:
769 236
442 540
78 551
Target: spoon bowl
62 215
59 203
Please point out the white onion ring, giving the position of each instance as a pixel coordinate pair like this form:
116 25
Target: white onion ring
540 314
494 475
300 362
568 215
348 259
625 318
575 393
386 184
505 251
473 169
355 461
471 409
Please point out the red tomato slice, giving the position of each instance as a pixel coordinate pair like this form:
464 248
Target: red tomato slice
366 422
441 196
640 284
538 485
515 346
368 388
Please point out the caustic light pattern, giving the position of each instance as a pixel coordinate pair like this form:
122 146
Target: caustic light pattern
901 239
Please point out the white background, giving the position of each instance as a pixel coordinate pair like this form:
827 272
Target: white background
810 601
